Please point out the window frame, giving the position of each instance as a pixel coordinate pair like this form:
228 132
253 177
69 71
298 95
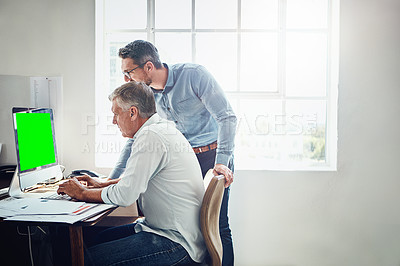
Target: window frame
332 65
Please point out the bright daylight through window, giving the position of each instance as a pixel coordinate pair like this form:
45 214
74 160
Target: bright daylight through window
277 61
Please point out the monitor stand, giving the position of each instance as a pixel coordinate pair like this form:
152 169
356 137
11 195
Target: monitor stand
15 189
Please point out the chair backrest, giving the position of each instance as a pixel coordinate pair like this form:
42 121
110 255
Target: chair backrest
209 215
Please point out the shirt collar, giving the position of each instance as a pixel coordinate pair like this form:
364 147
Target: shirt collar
154 119
170 81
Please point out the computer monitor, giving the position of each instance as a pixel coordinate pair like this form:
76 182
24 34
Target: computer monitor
35 145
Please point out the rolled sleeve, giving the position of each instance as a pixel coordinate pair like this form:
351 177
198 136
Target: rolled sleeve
222 159
104 195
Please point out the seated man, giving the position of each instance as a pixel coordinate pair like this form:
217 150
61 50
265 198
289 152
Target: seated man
163 175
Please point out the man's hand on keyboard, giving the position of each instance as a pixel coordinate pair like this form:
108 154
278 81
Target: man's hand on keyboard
72 188
85 188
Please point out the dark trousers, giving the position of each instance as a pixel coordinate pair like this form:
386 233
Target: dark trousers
207 160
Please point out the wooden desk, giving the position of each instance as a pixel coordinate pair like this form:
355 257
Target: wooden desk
115 217
109 218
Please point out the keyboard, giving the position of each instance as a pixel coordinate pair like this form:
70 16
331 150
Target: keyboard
56 196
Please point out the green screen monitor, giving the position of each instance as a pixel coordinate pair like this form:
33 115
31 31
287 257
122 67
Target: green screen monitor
35 145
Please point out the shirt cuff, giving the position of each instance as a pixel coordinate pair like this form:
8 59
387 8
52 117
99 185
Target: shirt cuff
104 195
222 159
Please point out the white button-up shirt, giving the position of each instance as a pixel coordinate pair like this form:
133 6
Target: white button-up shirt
163 174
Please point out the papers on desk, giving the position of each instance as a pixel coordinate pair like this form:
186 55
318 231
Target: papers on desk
42 210
28 206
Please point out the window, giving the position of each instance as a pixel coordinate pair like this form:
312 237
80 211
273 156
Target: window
277 61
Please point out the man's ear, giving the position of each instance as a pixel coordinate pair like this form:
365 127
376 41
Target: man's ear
133 110
148 66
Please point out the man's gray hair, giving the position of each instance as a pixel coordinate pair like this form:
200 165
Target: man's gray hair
136 94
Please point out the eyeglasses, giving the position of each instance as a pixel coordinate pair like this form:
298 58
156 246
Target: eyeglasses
127 74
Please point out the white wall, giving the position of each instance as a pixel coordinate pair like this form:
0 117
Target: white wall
345 218
352 216
55 38
14 92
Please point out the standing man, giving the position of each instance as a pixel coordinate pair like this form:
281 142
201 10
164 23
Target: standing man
162 175
188 95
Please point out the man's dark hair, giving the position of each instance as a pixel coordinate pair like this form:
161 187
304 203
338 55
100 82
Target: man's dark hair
141 52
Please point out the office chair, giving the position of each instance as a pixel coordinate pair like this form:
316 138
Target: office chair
209 216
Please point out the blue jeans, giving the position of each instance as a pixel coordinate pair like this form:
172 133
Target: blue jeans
207 161
122 246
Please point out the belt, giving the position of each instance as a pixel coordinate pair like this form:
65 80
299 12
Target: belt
208 147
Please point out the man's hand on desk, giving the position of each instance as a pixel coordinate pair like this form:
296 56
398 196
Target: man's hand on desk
220 169
95 182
